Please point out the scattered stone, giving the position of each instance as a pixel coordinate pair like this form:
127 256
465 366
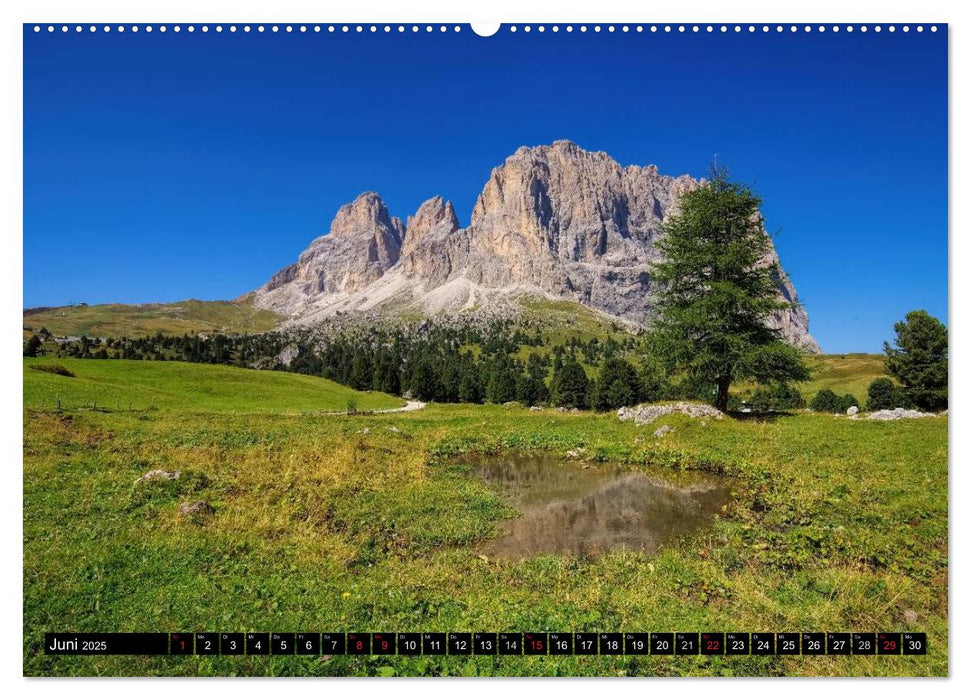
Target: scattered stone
157 475
535 408
561 409
196 508
897 414
366 431
910 616
646 413
512 404
394 429
573 454
943 413
663 430
852 410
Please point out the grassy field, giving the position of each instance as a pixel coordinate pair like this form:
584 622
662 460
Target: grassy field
134 320
186 388
371 523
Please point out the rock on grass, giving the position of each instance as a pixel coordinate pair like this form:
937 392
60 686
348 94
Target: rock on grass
645 413
157 475
196 508
897 414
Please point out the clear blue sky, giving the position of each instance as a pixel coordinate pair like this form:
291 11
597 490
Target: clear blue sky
159 167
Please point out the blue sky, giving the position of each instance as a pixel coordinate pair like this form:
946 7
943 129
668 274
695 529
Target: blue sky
159 167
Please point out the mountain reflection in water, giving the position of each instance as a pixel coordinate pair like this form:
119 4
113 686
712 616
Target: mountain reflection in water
572 508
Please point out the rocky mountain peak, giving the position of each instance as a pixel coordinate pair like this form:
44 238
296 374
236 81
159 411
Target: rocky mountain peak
554 220
432 242
435 217
573 204
365 216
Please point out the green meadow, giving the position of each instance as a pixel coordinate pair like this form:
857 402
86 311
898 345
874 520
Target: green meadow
373 522
186 387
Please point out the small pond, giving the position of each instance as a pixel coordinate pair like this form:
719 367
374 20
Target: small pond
587 508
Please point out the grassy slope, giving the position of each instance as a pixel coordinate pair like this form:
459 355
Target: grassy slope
565 319
844 374
837 525
187 388
134 320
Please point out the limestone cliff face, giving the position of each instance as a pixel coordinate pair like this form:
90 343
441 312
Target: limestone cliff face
363 243
575 224
554 220
433 245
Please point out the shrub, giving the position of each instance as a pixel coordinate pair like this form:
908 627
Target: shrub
846 401
826 401
787 396
32 346
761 400
883 393
780 397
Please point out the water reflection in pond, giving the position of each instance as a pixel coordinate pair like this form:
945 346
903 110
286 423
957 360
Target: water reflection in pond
574 508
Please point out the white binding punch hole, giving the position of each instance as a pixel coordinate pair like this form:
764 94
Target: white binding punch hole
487 29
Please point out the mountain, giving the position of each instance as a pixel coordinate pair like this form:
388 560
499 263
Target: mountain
552 221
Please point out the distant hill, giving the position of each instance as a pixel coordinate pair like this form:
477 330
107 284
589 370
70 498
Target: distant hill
134 320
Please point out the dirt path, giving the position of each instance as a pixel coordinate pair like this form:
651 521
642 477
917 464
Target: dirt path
407 408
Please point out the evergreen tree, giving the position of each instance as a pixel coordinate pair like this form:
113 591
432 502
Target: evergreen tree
918 359
570 385
386 376
470 389
620 393
528 389
614 370
424 381
362 374
451 375
717 291
502 382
